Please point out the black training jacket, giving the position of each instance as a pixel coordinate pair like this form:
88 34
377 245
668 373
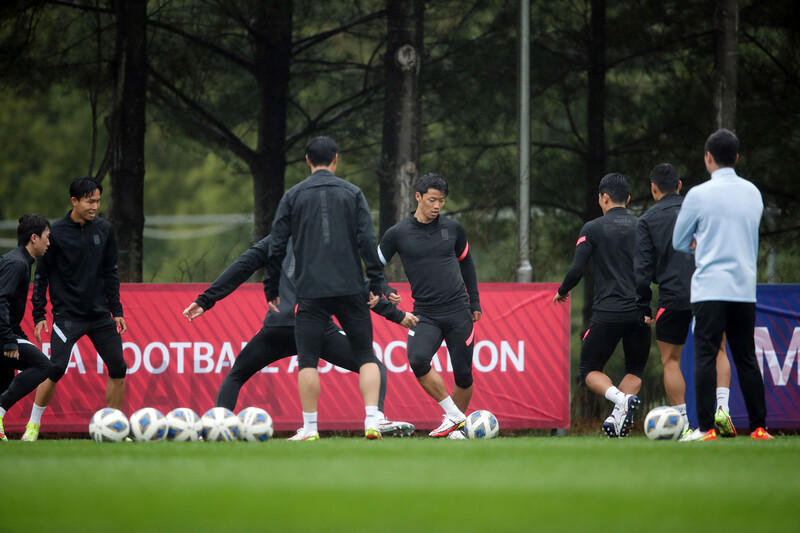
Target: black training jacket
658 262
256 257
15 278
609 241
437 261
80 267
331 228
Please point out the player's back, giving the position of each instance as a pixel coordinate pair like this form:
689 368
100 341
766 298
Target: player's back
325 233
672 269
613 239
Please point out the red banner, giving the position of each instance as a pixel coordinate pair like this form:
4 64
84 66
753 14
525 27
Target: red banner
520 363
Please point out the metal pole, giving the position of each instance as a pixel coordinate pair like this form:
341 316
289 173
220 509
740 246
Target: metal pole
524 269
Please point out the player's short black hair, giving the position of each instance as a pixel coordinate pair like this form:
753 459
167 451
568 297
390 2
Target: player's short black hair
666 177
321 151
616 186
432 180
723 145
84 186
33 224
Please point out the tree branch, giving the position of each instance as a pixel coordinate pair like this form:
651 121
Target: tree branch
227 54
197 116
304 44
320 122
781 67
83 7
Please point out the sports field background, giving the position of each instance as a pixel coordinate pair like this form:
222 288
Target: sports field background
416 484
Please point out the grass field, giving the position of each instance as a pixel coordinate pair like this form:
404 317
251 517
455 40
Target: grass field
418 484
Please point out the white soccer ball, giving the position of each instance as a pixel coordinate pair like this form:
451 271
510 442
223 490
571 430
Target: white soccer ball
148 425
220 424
109 425
663 423
481 425
183 424
256 424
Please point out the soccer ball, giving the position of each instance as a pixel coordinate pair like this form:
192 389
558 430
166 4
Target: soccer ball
148 425
663 423
256 424
481 425
220 424
109 425
183 424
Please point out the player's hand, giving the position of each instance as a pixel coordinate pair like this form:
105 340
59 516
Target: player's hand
693 244
648 321
12 354
395 298
122 327
274 304
193 311
373 300
37 331
560 298
476 315
409 321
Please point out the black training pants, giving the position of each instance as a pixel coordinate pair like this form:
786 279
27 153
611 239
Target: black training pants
737 321
35 367
274 343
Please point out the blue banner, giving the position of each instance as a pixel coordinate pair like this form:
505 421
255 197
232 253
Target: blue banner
777 339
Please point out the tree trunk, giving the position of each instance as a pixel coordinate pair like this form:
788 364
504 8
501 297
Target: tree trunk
724 79
272 35
595 132
401 118
127 152
586 403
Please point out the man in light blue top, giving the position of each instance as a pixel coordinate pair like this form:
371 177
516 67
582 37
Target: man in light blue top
718 222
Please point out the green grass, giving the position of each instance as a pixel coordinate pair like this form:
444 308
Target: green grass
348 484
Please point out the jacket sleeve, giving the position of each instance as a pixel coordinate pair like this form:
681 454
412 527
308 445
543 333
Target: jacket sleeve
467 266
583 252
236 274
111 275
387 248
685 225
388 310
368 246
40 281
10 274
281 231
644 267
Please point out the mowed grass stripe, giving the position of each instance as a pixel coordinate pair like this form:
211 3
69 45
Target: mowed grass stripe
343 484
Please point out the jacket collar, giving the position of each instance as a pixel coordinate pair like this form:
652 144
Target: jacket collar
431 224
26 255
74 224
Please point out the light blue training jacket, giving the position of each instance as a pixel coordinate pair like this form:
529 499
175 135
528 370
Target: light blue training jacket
723 214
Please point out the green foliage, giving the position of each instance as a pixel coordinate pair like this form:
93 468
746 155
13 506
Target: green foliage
183 177
46 142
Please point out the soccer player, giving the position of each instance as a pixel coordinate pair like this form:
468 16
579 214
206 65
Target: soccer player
436 259
719 222
609 242
276 339
657 261
81 271
33 238
331 229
